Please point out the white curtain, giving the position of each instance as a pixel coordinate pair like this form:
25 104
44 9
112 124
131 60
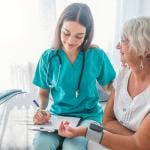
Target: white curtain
27 27
21 76
125 10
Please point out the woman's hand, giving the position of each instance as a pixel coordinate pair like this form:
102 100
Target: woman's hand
41 117
66 130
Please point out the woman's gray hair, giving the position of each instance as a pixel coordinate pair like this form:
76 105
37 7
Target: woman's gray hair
137 31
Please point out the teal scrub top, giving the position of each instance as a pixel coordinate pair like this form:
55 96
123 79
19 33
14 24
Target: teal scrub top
63 82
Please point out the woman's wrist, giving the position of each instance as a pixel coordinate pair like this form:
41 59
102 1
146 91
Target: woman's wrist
81 131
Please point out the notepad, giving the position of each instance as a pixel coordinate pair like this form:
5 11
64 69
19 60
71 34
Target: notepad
54 123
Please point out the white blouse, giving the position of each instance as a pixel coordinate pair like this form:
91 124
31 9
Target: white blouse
130 111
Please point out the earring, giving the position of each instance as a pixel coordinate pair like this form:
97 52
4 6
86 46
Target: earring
141 65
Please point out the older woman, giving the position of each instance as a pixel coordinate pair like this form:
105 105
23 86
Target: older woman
127 114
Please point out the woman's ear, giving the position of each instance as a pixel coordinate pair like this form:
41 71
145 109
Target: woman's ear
147 55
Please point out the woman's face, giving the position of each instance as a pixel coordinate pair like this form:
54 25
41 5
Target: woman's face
72 35
127 55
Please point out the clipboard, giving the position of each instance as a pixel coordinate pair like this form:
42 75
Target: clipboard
54 123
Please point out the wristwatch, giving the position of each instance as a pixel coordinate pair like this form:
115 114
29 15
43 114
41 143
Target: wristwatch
95 132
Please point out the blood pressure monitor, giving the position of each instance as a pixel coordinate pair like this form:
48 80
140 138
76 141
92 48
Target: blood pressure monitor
95 132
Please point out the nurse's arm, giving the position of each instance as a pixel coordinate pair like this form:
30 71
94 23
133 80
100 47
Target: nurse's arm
43 97
109 120
107 88
42 116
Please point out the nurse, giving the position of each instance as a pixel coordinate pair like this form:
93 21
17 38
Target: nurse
68 73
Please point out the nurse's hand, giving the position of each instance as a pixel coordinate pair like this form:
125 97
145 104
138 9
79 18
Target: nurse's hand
41 117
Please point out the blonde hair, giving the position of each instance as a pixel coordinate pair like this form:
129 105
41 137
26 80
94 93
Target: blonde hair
137 31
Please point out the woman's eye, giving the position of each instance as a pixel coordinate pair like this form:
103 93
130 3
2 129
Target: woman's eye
66 34
79 37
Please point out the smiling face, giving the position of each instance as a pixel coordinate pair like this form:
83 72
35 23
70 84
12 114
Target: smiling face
72 35
124 50
127 54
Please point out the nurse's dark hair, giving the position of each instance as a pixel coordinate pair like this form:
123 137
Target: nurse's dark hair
78 12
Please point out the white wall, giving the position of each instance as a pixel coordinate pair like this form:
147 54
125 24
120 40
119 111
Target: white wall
145 8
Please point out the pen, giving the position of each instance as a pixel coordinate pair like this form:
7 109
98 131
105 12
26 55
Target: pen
36 103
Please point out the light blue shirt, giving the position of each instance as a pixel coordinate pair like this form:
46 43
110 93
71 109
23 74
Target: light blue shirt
63 85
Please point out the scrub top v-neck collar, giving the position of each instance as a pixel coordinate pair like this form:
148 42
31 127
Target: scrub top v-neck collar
77 59
75 66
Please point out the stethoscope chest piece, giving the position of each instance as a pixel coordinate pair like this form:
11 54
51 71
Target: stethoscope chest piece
77 93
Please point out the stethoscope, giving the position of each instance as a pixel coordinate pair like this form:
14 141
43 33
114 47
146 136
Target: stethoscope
59 70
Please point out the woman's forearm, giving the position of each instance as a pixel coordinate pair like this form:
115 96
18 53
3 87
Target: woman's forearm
80 131
118 142
111 140
115 127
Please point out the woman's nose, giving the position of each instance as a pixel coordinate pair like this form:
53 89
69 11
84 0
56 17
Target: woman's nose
71 39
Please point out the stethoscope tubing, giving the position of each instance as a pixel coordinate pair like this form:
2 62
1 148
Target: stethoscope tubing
60 65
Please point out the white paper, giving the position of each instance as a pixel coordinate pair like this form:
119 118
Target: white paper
54 123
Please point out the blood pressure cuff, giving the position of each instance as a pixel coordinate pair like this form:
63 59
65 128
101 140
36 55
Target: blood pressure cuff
95 132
